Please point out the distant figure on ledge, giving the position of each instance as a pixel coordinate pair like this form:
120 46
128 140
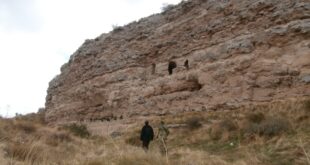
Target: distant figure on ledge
147 135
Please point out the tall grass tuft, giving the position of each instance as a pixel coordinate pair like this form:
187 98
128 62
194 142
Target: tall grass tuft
24 152
26 126
79 130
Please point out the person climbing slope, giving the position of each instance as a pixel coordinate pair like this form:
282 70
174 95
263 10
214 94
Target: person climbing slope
147 135
162 135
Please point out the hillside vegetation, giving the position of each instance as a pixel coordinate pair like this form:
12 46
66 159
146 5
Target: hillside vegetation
270 134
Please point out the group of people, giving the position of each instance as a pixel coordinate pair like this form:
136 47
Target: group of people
147 135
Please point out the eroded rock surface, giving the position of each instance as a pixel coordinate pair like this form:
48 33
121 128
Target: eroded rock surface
238 52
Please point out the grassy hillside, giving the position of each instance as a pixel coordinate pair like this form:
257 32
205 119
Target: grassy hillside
274 133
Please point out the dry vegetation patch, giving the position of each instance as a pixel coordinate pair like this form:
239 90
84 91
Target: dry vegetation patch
27 152
194 123
56 138
79 130
268 134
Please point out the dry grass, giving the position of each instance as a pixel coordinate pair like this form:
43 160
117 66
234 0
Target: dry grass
255 117
26 126
24 152
57 138
79 130
133 139
270 134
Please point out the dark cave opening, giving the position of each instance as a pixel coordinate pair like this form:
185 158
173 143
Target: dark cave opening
172 65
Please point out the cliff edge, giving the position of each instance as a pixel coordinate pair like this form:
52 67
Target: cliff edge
199 55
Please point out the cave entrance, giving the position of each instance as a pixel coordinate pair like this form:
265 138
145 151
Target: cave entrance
171 66
186 65
153 68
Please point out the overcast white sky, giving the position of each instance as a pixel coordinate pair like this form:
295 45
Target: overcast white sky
38 36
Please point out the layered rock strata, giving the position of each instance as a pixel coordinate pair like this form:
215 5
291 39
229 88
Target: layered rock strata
222 54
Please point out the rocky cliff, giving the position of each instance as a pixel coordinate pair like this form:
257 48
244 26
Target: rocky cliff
221 54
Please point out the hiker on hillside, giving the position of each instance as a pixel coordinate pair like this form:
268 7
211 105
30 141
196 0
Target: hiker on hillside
162 135
147 135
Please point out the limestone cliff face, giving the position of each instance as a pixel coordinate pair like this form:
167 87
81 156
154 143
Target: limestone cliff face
238 52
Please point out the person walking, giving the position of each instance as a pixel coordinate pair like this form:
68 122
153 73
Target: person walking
162 135
147 135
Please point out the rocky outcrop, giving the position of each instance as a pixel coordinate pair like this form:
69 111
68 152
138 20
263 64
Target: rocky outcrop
238 52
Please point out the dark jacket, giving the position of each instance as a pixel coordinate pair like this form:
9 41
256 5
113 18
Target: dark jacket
147 133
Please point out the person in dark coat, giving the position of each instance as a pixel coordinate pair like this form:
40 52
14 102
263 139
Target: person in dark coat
147 135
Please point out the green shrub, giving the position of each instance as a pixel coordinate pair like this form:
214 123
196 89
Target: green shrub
79 130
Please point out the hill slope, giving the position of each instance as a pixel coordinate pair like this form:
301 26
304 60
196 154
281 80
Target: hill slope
276 133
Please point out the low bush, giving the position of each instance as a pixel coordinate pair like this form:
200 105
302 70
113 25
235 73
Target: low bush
56 138
271 126
223 130
193 123
274 126
79 130
251 129
255 117
228 125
